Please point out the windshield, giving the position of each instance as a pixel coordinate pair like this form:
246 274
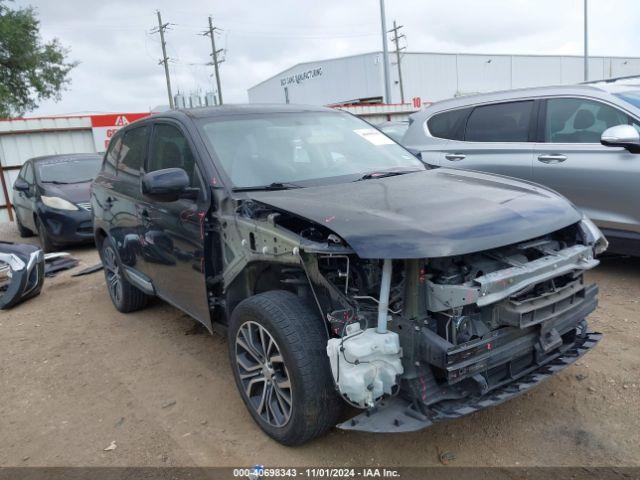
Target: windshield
69 170
632 97
289 148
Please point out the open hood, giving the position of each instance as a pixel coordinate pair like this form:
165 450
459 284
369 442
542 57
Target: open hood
435 213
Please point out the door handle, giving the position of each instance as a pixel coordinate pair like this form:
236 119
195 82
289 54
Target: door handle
454 157
552 158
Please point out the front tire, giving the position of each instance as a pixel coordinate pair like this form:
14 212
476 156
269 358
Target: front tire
45 240
125 297
277 348
22 230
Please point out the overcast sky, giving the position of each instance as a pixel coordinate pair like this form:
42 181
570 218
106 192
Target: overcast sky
118 55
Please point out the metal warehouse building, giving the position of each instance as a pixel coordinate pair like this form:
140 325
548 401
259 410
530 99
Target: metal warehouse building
429 76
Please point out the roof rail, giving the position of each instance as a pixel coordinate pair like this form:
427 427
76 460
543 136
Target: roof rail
610 80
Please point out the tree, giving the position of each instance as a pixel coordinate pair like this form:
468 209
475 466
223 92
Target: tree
30 70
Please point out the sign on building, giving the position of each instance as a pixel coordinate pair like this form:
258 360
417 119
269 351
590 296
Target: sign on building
105 126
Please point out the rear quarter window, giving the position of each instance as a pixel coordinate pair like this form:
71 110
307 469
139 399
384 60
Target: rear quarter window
448 125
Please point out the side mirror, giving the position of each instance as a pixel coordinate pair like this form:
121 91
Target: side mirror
165 185
20 185
621 136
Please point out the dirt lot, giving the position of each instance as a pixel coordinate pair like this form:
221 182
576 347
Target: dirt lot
76 375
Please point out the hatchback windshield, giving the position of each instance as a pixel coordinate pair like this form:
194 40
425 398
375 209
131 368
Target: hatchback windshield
69 170
288 148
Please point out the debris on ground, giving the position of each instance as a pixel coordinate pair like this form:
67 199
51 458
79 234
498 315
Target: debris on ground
86 271
112 446
119 422
21 273
580 376
58 261
168 404
446 457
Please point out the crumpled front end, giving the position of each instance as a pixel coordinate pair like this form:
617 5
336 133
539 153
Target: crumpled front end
411 341
432 339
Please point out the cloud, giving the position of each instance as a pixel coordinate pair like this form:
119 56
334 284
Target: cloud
119 68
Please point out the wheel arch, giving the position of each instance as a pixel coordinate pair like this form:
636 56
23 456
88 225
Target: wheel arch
264 276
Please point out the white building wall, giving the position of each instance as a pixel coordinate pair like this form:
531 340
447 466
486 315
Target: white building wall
435 76
340 80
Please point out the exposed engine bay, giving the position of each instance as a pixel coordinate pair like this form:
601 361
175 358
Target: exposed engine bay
419 339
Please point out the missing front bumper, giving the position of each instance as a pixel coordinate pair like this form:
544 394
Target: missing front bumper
399 415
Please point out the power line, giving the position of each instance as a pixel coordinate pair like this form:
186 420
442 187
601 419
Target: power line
214 55
165 60
396 39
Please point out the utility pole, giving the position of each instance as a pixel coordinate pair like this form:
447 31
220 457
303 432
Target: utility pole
214 56
165 60
586 44
396 39
385 54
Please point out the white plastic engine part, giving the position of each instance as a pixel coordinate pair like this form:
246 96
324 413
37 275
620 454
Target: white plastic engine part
367 366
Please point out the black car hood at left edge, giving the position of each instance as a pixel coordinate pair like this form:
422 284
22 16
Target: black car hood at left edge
428 214
73 192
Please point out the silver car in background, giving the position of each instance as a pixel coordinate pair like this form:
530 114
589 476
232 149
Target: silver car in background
581 140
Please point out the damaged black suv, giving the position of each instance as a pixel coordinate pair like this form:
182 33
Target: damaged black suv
341 269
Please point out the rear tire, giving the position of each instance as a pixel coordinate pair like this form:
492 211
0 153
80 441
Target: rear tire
125 297
45 240
277 348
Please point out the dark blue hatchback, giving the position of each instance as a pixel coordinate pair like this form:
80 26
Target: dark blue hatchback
51 198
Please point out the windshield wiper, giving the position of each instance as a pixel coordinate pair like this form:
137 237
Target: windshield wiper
383 174
271 186
56 182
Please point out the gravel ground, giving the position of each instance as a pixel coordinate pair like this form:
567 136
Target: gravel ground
77 377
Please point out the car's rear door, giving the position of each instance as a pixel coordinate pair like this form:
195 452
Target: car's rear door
122 194
602 181
173 245
497 138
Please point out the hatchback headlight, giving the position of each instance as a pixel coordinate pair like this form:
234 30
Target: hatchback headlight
593 236
59 203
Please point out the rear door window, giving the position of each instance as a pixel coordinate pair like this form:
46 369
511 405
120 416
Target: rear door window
578 120
448 125
500 122
111 158
133 151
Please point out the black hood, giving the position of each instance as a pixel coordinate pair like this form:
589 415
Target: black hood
435 213
73 192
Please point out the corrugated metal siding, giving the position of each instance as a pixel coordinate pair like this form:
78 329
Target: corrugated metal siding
44 123
16 148
21 139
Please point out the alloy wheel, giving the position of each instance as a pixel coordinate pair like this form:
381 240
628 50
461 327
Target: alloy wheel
263 374
112 274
